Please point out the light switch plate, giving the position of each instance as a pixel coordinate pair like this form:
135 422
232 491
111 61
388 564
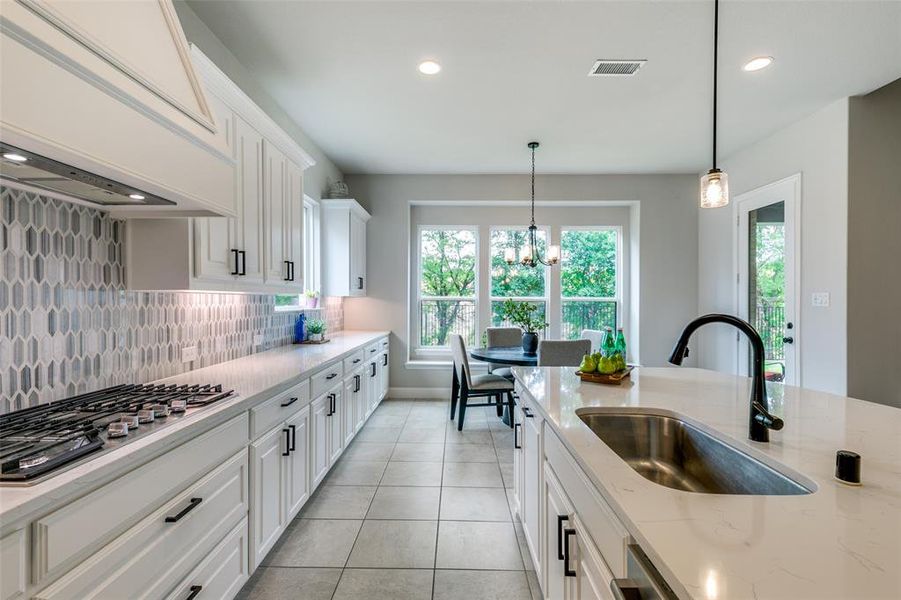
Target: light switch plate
820 299
188 354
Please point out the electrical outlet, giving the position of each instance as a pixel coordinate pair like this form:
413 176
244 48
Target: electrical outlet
258 339
820 299
188 354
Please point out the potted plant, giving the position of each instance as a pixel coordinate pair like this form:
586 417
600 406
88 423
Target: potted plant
523 315
316 330
311 298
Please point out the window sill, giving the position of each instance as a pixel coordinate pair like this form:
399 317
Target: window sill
420 364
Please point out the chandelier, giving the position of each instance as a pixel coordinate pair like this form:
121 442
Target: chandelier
715 184
529 255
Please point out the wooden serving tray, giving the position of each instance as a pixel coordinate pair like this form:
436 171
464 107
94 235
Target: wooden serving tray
611 379
313 342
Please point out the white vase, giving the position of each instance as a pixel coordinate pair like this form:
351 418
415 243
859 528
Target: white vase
315 337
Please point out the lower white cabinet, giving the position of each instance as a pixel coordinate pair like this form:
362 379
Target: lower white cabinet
592 577
352 388
558 529
281 485
530 498
222 573
372 384
336 423
12 565
383 375
319 433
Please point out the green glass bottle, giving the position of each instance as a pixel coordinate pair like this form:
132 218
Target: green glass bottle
620 349
608 347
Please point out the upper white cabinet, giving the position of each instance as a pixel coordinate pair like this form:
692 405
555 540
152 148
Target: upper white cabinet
80 89
344 248
260 249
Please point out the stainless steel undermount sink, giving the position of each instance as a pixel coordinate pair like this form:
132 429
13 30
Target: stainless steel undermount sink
678 455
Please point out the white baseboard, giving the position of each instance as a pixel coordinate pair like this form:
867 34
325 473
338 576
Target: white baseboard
419 392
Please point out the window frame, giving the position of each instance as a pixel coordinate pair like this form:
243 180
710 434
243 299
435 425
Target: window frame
546 230
437 352
312 256
618 281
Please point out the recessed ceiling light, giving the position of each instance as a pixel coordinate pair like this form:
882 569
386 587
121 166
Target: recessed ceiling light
429 67
136 196
14 157
757 63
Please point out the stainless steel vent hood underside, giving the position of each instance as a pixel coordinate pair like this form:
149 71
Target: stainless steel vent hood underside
46 174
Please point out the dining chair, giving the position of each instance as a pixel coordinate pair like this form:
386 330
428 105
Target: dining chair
465 386
595 336
562 353
502 337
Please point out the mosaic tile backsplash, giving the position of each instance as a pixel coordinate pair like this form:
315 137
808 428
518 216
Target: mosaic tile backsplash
68 326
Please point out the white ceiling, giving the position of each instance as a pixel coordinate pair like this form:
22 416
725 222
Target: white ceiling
516 70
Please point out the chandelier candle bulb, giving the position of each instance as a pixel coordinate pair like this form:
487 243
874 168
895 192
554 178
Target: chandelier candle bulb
509 256
553 254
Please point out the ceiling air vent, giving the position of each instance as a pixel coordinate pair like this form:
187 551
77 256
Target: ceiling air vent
615 68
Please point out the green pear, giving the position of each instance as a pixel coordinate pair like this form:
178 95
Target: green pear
607 366
588 364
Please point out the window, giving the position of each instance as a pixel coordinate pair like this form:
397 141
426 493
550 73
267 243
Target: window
589 279
447 285
516 281
311 256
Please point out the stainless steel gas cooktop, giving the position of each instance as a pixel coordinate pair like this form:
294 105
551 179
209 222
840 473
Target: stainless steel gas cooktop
38 442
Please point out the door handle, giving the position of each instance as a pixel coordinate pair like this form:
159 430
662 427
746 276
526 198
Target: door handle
289 402
567 533
292 270
195 590
334 399
287 433
287 270
237 254
293 429
243 262
359 283
195 502
527 413
560 520
385 360
331 375
356 383
516 444
372 365
788 340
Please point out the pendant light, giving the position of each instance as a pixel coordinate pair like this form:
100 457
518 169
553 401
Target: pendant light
529 255
715 184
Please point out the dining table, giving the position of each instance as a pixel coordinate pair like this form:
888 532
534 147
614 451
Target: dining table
505 355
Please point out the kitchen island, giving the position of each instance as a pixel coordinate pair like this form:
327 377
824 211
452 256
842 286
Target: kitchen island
838 541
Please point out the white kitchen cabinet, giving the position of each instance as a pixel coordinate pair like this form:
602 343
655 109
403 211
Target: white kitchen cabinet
336 423
260 249
297 463
319 444
372 385
530 502
360 398
13 563
222 573
555 548
592 577
344 248
352 388
268 513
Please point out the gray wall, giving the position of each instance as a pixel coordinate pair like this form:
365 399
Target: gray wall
667 261
817 148
315 178
874 246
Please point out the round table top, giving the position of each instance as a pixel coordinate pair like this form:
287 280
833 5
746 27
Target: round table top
506 355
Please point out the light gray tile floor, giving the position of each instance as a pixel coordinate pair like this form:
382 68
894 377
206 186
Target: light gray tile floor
433 523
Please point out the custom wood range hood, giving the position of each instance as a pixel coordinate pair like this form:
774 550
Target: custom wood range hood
100 103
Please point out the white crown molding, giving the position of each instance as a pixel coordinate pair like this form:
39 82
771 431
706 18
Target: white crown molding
345 203
227 91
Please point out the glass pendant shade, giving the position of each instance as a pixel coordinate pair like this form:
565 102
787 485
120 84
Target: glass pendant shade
714 189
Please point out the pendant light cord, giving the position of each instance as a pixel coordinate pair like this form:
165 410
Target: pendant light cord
533 185
716 35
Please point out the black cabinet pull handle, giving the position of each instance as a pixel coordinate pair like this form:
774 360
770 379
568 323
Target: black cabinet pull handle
293 429
566 535
243 262
289 402
356 360
373 350
292 270
236 253
334 403
516 444
287 433
372 366
287 270
195 589
527 412
195 502
332 375
561 519
385 360
359 283
356 383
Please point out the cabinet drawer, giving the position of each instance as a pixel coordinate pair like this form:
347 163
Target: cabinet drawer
275 410
326 379
64 537
12 565
149 559
609 535
371 350
383 343
221 574
353 361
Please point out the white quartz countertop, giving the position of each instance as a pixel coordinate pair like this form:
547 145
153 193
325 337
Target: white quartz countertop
838 542
254 378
